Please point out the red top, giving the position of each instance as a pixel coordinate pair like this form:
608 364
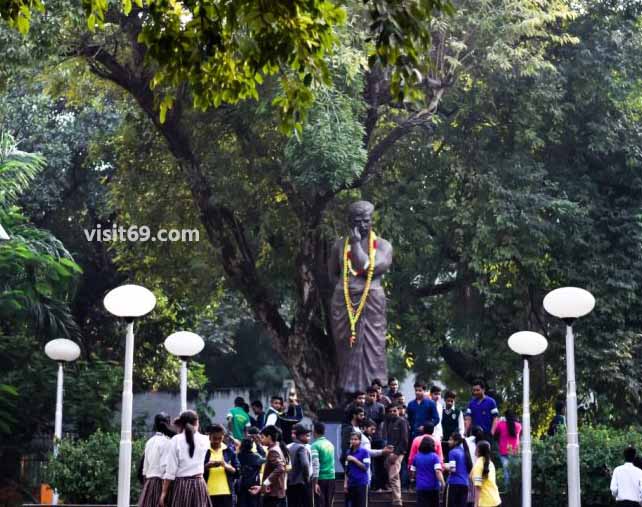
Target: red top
414 448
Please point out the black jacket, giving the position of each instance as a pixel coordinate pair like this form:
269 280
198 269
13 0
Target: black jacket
395 432
250 468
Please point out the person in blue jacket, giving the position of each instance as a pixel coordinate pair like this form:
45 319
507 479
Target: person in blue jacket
421 410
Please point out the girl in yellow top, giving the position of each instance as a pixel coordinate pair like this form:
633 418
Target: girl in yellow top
483 477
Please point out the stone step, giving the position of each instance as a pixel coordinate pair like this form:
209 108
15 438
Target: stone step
376 503
387 497
377 499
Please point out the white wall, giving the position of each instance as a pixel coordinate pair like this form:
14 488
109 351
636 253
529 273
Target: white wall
222 400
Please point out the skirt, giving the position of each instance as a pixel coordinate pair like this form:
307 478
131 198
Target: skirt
189 492
151 492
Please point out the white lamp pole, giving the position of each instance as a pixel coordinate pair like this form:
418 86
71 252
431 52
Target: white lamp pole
569 304
128 302
527 344
3 234
60 350
184 344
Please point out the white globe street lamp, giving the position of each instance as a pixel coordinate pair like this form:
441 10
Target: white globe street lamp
62 351
527 344
3 234
184 344
128 302
569 304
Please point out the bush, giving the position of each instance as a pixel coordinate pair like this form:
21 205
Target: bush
86 470
600 452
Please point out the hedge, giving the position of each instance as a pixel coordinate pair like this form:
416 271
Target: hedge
86 470
601 451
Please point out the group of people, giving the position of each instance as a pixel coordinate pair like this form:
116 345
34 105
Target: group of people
247 464
387 442
268 457
271 459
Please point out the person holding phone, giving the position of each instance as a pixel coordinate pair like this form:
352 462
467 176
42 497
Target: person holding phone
221 468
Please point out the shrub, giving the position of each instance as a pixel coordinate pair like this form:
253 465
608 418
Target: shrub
600 452
86 470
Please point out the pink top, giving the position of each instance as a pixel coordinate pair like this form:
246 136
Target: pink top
414 449
508 444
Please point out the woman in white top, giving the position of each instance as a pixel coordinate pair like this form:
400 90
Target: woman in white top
185 466
152 466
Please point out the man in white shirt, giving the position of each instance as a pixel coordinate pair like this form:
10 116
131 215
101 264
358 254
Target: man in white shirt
274 412
626 484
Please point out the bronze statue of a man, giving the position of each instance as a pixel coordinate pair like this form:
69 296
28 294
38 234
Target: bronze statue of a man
357 264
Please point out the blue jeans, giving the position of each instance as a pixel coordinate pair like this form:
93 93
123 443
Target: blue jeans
507 461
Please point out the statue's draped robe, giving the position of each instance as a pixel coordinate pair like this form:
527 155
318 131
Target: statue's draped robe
366 360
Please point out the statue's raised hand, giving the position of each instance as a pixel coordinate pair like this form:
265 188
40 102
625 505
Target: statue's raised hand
355 235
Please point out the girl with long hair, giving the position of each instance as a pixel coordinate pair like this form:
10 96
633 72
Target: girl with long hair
274 484
459 466
357 477
249 474
508 432
153 464
476 435
426 466
483 476
185 466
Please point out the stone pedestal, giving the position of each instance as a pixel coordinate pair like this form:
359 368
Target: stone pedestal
333 419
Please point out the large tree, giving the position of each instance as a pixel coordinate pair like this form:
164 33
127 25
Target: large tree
483 189
270 205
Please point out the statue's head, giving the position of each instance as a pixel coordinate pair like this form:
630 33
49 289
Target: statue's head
360 215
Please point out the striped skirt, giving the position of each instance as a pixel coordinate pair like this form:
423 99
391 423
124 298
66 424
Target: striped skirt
151 492
189 492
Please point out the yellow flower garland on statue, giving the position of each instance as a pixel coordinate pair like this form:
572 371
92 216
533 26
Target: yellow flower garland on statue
353 316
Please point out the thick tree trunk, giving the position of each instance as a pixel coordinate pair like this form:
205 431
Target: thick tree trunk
305 345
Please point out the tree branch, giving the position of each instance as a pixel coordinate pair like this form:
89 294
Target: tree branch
223 228
437 290
421 118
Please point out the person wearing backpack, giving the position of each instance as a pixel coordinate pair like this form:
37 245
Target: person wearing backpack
250 464
558 420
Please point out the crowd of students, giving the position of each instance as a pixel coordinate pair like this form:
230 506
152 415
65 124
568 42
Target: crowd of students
445 449
182 467
268 457
271 459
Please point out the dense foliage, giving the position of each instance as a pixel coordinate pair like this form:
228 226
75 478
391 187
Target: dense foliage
225 50
85 469
517 171
601 451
